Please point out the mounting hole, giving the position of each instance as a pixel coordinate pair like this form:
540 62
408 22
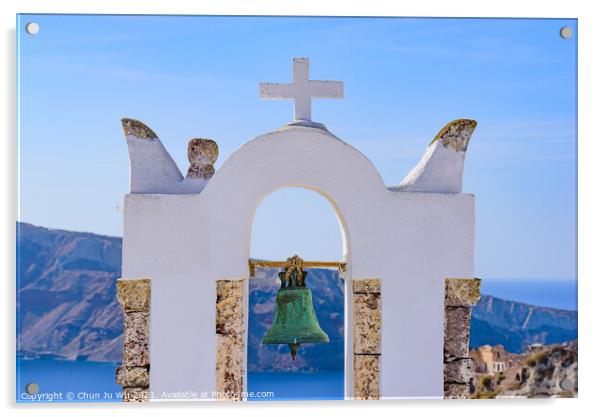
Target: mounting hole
566 384
32 28
566 32
32 388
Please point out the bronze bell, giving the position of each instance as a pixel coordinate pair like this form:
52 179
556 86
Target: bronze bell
295 321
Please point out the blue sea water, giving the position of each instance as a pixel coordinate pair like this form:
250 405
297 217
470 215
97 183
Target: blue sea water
296 386
81 381
540 292
67 381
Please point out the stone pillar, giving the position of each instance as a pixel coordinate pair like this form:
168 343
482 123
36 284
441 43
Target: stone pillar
366 338
461 294
230 331
134 373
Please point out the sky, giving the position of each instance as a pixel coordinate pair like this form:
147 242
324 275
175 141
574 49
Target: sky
405 78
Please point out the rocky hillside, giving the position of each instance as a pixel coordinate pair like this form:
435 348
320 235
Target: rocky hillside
66 307
547 371
551 372
516 325
66 304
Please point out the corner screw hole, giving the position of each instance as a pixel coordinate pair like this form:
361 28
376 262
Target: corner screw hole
32 28
566 32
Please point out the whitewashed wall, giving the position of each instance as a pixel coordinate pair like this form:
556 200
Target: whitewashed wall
410 240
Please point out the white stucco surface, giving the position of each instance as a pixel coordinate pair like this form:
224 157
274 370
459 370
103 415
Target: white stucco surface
441 168
410 240
152 169
439 171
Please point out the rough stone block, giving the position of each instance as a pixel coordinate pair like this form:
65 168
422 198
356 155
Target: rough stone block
135 339
462 292
136 395
456 391
367 323
202 154
366 286
366 377
132 376
134 294
457 333
137 129
230 367
458 371
229 313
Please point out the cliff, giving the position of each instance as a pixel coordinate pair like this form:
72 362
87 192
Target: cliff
517 325
66 304
66 307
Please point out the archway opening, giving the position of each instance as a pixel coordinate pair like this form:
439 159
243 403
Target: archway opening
297 221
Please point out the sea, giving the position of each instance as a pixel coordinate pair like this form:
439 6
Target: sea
82 381
66 381
556 293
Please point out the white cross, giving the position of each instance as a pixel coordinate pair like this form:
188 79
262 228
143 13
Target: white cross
302 89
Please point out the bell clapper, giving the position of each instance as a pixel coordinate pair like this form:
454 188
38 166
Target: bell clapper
293 347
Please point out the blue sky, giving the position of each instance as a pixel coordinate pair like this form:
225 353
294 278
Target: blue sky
404 79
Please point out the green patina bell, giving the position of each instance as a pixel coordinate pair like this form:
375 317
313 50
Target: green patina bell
295 321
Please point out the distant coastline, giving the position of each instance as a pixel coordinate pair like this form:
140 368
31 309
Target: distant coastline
542 292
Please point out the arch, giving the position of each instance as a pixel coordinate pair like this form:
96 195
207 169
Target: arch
295 156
